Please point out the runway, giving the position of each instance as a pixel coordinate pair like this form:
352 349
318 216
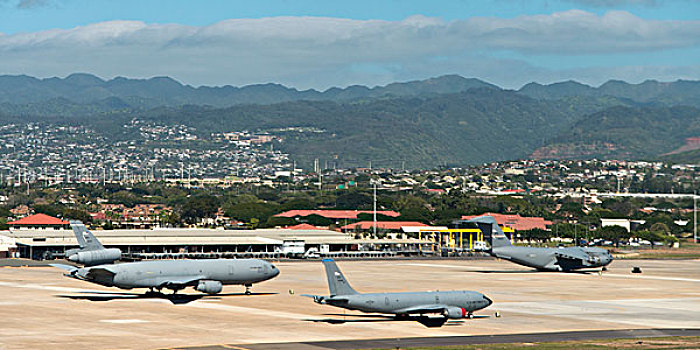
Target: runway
467 340
42 309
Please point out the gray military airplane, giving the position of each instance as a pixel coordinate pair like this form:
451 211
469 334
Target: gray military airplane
207 276
451 304
543 259
91 251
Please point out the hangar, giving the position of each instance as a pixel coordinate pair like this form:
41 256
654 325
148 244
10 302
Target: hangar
203 243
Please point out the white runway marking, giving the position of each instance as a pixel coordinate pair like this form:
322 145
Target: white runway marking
643 277
41 287
125 321
605 274
447 266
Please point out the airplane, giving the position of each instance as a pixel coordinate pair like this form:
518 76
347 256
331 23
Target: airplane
91 251
207 276
542 259
450 304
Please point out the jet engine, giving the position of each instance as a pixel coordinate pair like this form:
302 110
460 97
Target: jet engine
96 257
209 287
455 312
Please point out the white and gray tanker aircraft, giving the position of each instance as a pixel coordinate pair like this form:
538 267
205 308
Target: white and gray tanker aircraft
207 276
450 304
543 259
91 251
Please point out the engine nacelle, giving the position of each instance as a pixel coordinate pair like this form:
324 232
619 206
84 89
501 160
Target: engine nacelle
209 287
456 312
96 257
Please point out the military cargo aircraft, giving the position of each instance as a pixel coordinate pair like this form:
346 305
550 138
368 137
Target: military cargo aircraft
450 304
543 259
91 251
207 276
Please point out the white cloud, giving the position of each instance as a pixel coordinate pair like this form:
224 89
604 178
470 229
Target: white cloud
320 52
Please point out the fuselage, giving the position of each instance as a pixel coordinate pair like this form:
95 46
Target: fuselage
398 303
177 274
551 259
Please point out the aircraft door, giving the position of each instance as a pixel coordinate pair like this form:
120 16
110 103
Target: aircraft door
230 270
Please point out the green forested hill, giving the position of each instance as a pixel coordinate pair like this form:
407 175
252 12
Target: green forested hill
650 92
29 92
626 133
476 126
445 120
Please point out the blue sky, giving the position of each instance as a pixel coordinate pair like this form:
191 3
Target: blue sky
319 44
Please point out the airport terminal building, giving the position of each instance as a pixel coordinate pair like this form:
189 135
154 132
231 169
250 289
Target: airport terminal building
213 243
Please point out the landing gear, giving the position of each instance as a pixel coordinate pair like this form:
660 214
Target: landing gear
152 292
247 289
470 315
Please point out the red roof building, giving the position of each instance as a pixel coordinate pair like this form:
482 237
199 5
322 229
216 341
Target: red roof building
39 221
335 214
304 226
382 225
516 222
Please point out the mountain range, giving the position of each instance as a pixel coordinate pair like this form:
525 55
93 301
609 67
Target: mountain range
444 120
84 88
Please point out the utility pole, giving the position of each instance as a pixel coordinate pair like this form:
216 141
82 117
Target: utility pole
374 212
695 217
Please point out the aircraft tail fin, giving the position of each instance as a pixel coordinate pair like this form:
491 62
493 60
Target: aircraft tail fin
492 232
337 284
85 238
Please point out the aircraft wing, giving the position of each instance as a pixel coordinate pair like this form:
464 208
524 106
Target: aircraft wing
423 309
68 268
178 282
98 272
570 254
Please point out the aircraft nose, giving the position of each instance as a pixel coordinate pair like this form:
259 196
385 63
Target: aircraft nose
274 271
73 258
488 300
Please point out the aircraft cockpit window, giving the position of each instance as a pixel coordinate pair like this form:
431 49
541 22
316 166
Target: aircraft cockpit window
272 266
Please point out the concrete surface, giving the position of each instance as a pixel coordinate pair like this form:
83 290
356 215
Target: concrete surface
41 309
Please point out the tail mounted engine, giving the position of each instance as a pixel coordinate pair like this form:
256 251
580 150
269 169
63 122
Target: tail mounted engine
96 257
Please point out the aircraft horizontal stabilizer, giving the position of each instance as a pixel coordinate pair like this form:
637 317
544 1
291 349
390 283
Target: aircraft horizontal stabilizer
317 298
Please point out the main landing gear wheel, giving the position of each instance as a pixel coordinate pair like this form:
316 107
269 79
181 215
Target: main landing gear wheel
247 289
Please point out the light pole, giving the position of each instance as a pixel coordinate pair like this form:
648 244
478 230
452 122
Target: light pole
374 212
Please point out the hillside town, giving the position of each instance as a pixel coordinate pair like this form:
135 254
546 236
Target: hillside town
585 202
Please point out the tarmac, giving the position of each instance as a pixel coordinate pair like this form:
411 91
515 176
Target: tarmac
41 309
